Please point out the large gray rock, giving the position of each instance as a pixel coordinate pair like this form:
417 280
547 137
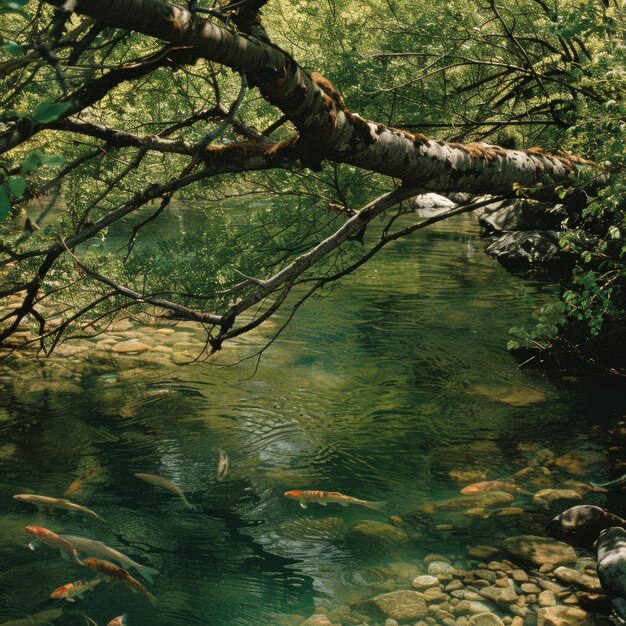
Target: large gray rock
612 561
581 525
401 605
529 250
520 214
538 550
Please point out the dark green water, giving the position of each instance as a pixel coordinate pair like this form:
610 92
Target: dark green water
379 391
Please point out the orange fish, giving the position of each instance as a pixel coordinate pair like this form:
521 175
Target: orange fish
120 620
324 497
78 483
72 590
491 485
111 571
43 535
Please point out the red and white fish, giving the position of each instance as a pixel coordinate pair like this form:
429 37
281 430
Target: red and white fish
77 589
49 538
120 620
324 497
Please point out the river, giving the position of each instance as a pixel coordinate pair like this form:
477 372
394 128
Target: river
390 388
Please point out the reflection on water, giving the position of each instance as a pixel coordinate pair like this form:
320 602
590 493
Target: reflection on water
387 389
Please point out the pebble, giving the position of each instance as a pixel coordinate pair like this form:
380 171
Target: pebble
424 582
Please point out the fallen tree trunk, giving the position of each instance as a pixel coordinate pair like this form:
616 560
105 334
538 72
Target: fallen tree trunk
327 129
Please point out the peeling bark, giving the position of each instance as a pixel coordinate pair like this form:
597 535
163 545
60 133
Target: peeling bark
328 130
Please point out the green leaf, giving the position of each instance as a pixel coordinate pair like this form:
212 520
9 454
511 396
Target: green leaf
12 47
32 161
17 185
5 204
47 112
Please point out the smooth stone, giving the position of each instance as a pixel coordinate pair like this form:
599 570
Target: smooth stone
130 346
454 585
431 558
485 574
391 622
485 619
530 588
401 605
550 496
318 619
581 525
424 582
499 595
482 552
563 616
439 568
538 550
612 561
372 535
434 594
519 575
467 607
546 598
574 577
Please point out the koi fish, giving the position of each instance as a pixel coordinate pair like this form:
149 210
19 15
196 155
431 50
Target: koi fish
49 538
44 617
324 497
56 503
168 485
78 483
120 620
611 483
491 485
89 547
110 571
70 591
222 466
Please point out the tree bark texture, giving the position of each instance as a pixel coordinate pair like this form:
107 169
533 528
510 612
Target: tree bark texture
327 129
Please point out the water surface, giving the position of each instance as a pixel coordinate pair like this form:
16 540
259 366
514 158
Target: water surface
379 390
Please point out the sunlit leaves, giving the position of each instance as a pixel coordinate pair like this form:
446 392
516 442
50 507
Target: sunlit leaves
37 158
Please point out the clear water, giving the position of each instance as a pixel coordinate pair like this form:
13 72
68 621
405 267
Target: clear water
379 390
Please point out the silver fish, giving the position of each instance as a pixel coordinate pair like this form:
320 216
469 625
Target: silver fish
168 485
222 466
56 503
91 548
612 483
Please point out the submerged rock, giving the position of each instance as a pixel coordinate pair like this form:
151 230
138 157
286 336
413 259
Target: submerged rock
612 561
581 525
538 550
564 616
372 535
401 605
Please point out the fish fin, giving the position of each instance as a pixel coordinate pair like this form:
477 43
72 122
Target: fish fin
71 599
33 544
148 572
81 595
378 506
153 600
303 504
65 556
323 503
100 519
343 503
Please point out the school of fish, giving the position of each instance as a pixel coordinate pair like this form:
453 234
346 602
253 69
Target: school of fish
92 554
98 557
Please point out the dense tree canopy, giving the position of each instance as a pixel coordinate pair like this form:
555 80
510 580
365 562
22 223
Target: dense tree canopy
291 131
